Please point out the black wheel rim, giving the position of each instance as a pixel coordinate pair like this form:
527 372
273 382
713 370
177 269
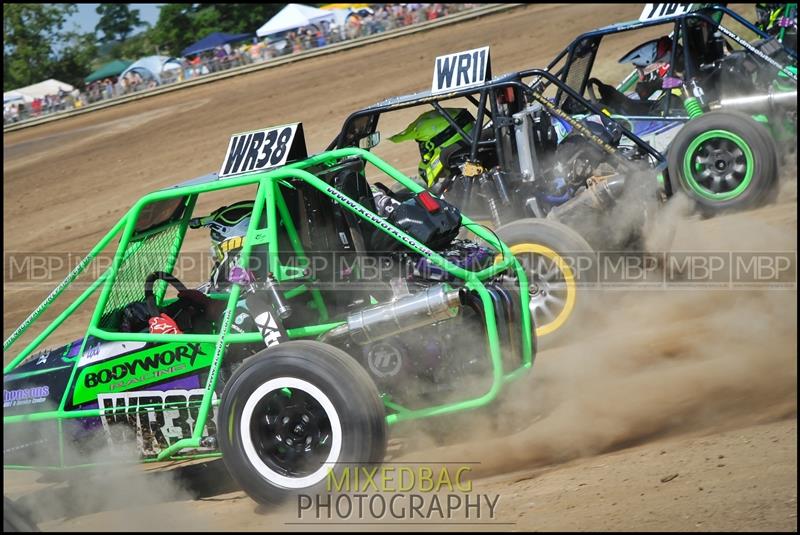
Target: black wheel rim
720 165
291 432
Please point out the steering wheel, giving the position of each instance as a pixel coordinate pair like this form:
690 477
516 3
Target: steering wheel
194 296
593 98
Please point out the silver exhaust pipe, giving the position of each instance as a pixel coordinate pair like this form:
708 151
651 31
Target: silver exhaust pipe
435 304
760 103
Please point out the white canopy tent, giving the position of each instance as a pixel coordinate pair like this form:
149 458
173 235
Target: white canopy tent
15 97
40 90
340 15
295 16
153 66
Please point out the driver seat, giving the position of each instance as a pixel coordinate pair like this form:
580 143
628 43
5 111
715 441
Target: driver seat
620 103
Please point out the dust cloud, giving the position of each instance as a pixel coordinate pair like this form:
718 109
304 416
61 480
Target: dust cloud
648 363
114 484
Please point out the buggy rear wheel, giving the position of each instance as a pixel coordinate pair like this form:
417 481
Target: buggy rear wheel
293 413
723 160
549 252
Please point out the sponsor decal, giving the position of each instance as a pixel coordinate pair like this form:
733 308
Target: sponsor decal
260 150
757 52
140 368
43 356
25 396
231 244
460 70
384 360
269 329
153 419
105 351
19 447
661 11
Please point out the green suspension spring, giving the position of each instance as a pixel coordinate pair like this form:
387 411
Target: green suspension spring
693 107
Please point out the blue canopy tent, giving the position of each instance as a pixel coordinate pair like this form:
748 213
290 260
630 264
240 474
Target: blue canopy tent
212 41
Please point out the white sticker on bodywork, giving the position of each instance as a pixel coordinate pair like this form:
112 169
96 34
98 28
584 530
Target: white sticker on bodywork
104 351
662 11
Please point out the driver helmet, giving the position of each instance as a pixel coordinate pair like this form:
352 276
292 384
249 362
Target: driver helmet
768 15
651 57
436 138
228 227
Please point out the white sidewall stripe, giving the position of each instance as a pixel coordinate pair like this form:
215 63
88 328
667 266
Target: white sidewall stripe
250 450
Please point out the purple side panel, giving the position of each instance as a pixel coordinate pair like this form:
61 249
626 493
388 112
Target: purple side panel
189 382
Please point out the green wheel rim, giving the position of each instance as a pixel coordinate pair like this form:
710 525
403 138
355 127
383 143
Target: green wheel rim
718 165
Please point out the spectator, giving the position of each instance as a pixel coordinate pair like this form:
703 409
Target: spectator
294 42
11 114
195 63
368 25
361 22
182 70
271 51
306 38
108 88
353 26
256 52
62 98
419 15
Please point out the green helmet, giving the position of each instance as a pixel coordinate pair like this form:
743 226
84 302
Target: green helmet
433 134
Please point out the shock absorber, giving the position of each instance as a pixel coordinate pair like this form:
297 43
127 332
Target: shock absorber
502 187
488 190
692 104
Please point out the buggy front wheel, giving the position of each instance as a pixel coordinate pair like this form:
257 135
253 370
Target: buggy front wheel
295 412
723 160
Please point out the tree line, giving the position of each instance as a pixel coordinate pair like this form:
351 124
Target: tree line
38 46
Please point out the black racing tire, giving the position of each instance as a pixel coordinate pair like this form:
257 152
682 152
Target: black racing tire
535 242
723 138
330 395
15 519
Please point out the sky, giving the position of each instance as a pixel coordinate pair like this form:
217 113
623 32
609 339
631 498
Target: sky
86 18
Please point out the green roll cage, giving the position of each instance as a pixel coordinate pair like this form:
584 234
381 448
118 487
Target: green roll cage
269 200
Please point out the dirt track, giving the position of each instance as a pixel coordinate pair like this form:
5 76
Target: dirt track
695 383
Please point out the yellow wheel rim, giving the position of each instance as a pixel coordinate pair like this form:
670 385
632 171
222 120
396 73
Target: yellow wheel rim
569 282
